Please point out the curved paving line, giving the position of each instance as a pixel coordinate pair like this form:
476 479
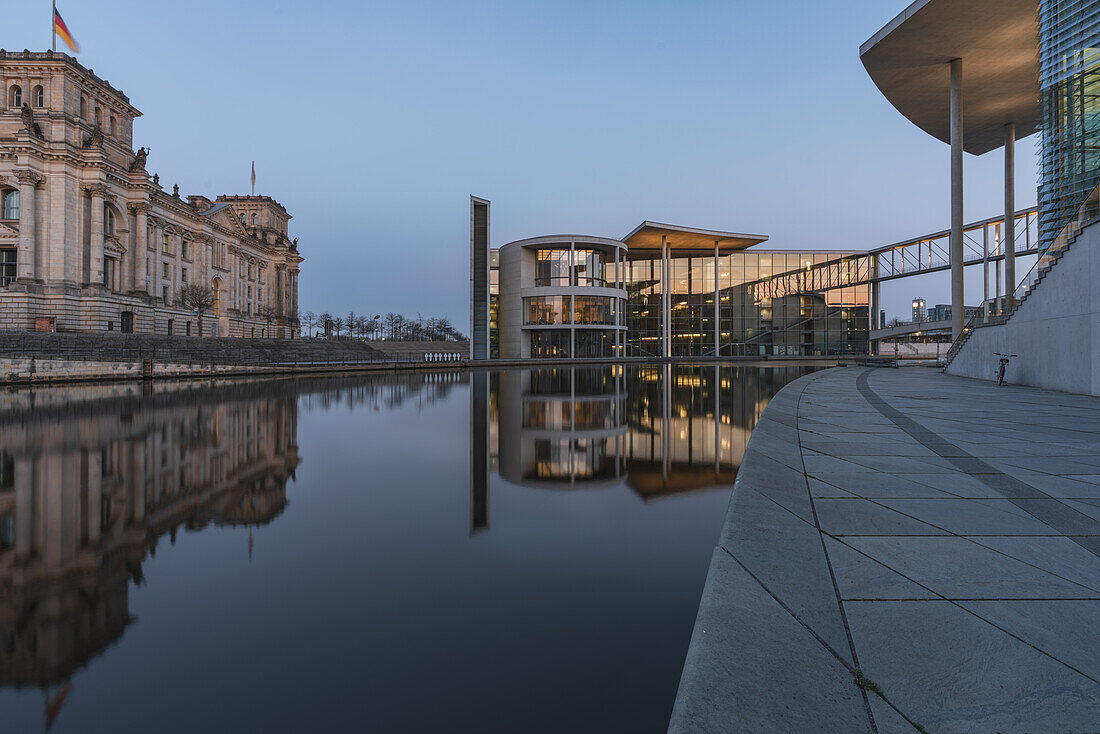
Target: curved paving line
1075 525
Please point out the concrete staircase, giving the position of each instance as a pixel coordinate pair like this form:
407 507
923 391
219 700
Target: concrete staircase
114 347
1045 264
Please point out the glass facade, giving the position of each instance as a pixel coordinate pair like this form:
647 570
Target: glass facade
594 343
581 267
1069 82
494 304
588 268
546 343
770 303
595 310
546 310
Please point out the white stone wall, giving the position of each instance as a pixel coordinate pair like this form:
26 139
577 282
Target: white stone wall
1055 332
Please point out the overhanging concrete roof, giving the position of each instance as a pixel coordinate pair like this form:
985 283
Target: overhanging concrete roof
998 42
647 235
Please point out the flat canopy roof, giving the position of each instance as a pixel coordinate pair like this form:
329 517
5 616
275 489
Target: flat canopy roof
647 235
997 41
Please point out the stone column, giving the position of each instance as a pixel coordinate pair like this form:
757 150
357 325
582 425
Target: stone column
280 301
95 252
24 264
141 244
294 292
957 301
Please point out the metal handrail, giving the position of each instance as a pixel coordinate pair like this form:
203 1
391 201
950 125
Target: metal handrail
1000 309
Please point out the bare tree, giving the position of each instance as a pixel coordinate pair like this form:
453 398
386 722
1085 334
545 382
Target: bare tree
338 324
196 297
309 317
326 321
268 314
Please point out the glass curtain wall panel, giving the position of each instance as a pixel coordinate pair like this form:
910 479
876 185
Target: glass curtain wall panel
642 279
692 305
546 310
1069 82
552 267
593 342
550 343
589 268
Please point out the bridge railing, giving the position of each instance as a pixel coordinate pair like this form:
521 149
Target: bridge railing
997 310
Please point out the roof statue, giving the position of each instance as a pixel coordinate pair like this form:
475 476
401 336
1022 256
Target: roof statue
29 123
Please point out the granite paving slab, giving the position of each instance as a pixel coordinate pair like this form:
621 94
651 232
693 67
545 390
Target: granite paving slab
934 539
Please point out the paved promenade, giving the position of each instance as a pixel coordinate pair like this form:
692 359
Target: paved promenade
905 551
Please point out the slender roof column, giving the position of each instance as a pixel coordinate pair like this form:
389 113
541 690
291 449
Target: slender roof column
717 312
666 303
1008 236
957 303
985 272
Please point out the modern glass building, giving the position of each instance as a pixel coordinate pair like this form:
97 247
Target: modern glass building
671 291
1069 83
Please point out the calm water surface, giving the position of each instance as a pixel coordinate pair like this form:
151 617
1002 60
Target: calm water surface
486 552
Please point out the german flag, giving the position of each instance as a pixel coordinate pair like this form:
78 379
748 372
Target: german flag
62 30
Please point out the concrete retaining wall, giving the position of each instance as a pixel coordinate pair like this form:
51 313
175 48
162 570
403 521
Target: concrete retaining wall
1055 332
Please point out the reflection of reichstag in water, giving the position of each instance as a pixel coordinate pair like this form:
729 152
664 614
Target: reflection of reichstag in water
92 477
660 429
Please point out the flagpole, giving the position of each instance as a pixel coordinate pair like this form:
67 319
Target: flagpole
53 27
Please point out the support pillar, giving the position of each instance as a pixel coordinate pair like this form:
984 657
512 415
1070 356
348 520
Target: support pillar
985 272
998 252
717 310
666 301
876 306
1008 239
957 301
24 260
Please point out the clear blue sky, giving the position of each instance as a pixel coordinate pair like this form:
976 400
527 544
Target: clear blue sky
372 122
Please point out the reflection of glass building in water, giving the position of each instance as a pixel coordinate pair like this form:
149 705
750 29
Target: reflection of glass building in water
661 429
86 491
665 291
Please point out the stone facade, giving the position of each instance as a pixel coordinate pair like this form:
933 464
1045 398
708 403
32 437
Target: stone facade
90 238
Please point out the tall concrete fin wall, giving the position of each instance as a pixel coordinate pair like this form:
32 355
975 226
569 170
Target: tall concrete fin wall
1055 332
479 278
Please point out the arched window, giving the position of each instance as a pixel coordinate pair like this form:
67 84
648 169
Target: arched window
255 219
97 116
83 109
112 125
9 204
242 220
39 96
108 221
15 96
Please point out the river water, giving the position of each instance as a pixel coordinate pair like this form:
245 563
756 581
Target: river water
514 551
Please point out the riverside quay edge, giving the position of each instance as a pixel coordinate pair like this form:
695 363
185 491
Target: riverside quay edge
90 241
662 291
